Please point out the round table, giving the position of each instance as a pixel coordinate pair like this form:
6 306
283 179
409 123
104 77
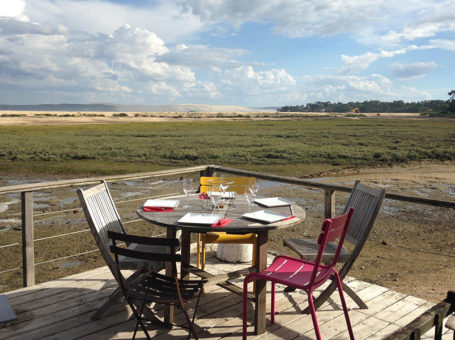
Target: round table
238 225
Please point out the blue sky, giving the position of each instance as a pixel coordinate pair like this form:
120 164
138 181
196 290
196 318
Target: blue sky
251 53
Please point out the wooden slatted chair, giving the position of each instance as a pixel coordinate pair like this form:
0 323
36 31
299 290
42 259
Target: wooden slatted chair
366 202
102 216
239 185
154 287
306 275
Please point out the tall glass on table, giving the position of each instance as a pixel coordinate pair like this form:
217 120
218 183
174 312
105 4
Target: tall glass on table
188 188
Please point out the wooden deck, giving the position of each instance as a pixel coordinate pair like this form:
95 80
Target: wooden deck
61 309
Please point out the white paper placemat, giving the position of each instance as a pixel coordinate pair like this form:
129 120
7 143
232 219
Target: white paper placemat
162 203
266 216
273 201
198 218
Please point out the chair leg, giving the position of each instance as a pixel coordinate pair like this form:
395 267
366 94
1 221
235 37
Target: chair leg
343 303
187 317
318 302
313 315
272 304
245 306
353 295
324 296
139 319
194 317
198 251
203 252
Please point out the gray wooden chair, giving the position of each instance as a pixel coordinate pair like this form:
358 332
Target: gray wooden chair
366 202
102 216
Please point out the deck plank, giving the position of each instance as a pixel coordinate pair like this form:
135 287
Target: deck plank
61 309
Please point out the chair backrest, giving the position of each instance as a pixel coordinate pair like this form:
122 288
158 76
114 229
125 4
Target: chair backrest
366 202
102 216
239 184
149 255
331 230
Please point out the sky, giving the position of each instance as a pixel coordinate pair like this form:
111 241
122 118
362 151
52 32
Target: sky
253 53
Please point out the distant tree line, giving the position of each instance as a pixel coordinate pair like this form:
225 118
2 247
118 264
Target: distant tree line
429 107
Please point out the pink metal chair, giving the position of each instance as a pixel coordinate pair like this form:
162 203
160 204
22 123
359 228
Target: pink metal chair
303 274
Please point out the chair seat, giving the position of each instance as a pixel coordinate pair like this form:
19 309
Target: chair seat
162 289
294 272
308 250
221 237
137 264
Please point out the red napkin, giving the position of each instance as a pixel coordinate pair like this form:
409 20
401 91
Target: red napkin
221 223
203 196
162 209
288 218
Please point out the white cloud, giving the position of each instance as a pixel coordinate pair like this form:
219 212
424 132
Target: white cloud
165 18
12 8
341 88
443 44
37 59
203 57
413 70
346 88
368 20
152 51
131 65
360 63
258 87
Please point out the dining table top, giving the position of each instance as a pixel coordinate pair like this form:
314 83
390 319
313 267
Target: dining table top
231 209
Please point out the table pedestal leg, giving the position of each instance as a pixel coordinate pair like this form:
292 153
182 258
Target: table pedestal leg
169 310
261 264
185 245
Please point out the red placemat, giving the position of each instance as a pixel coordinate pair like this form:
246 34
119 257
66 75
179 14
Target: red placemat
221 223
159 209
288 218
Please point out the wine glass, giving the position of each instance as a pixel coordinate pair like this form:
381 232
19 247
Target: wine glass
250 200
224 185
188 188
253 187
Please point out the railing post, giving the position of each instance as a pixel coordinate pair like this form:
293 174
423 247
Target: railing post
329 203
28 250
208 172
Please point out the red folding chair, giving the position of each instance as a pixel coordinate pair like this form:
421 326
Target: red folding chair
303 274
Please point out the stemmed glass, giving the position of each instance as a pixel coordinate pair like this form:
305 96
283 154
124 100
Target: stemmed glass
188 188
253 188
250 200
224 185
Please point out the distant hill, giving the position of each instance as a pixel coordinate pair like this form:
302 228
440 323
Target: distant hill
61 107
134 108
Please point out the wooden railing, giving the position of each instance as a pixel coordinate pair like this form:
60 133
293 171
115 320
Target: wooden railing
433 317
26 190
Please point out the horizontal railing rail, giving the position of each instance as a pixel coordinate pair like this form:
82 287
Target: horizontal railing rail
27 190
331 187
94 180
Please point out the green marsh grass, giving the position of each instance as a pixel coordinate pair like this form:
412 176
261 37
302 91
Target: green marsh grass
279 146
